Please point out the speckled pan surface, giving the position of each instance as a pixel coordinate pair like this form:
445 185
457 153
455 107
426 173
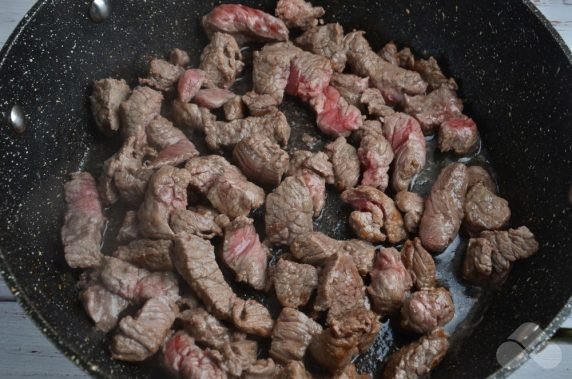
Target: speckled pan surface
515 77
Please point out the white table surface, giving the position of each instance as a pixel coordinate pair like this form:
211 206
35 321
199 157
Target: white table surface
25 352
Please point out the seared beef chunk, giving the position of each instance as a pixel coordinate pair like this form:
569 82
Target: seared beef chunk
381 206
328 41
245 23
271 69
373 100
174 155
310 74
390 282
244 254
259 105
252 317
375 154
432 74
179 57
107 96
459 135
294 370
433 109
351 87
191 115
221 60
362 253
274 126
418 358
234 109
162 75
335 116
292 334
139 110
411 206
131 182
83 222
408 143
262 369
294 283
261 160
175 148
419 263
403 58
167 191
202 222
484 210
361 323
141 336
298 13
154 255
289 210
444 208
102 306
314 170
345 162
213 98
427 310
392 81
238 356
477 174
490 257
367 226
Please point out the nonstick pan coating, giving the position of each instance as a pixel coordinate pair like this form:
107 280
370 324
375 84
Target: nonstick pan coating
515 76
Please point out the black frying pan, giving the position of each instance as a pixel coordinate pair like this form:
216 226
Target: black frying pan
515 75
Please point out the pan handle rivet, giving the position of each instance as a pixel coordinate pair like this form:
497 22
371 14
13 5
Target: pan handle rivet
99 10
16 119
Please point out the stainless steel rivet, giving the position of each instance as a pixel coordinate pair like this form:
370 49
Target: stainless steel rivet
99 10
17 119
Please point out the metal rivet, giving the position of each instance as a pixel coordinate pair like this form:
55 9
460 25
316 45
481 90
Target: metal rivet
17 119
99 10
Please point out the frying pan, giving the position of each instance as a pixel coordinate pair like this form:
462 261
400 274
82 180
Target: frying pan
515 76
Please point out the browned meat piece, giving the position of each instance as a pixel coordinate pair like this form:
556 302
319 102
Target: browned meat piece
418 358
202 222
167 190
362 253
340 287
294 370
259 105
102 306
433 109
289 210
274 126
381 206
234 109
484 210
221 60
375 154
179 57
328 41
292 334
83 222
105 99
238 356
190 84
432 74
174 155
137 284
490 257
252 317
190 115
127 159
162 75
129 230
315 170
427 310
477 174
271 69
444 208
310 74
141 336
183 359
139 110
390 282
335 116
245 23
372 127
419 263
367 226
298 13
351 87
373 100
154 255
361 323
175 148
350 372
411 206
132 184
403 58
205 170
294 283
261 160
244 254
262 369
213 98
408 143
392 81
345 162
459 135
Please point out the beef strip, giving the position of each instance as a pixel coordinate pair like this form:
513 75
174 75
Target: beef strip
259 105
262 369
418 358
403 58
426 310
261 160
154 255
390 282
167 191
141 336
351 87
373 100
202 222
292 334
244 254
83 222
433 109
234 109
213 98
459 135
419 263
328 41
102 306
484 210
345 162
298 13
252 317
179 57
271 69
431 72
139 110
294 283
408 143
105 99
477 174
162 75
367 226
335 116
190 84
289 210
191 115
375 154
294 370
411 206
444 208
310 74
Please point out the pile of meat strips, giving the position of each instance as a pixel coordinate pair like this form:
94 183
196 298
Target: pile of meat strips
162 292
